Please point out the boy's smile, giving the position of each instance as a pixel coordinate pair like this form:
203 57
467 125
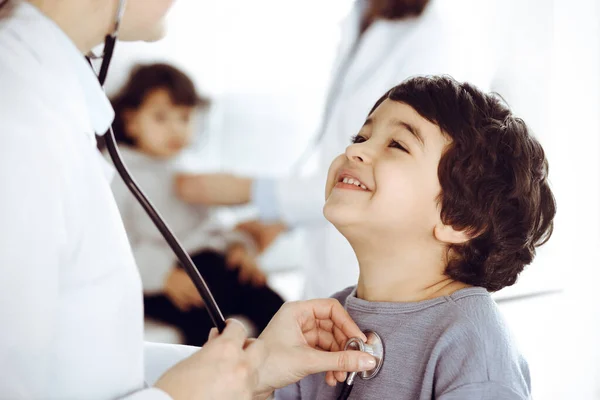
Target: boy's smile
387 179
348 179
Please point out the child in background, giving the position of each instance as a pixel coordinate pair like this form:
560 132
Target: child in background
154 122
443 195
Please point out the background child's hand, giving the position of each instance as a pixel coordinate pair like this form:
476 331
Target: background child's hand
263 234
180 289
238 257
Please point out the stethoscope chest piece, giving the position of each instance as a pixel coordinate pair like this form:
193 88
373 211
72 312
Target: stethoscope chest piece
373 346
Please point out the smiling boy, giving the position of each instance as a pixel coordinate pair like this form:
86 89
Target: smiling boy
444 197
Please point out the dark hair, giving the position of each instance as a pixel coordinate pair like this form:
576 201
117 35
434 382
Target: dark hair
6 8
392 10
493 177
143 80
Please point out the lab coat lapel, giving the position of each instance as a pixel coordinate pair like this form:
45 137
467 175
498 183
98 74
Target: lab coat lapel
373 51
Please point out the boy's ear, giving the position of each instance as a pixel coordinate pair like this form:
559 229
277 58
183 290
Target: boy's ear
447 234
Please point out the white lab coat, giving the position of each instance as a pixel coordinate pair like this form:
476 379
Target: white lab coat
388 53
70 293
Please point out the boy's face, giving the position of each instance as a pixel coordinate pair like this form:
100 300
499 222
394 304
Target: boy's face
394 161
159 127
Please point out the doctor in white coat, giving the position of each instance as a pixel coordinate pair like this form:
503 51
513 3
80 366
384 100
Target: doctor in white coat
70 294
383 42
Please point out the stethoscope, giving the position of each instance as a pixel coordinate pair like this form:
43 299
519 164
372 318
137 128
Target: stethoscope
186 262
373 345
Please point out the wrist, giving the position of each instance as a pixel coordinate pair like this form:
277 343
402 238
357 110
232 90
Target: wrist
245 190
264 388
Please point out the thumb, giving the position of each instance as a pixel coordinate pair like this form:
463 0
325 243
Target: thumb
346 361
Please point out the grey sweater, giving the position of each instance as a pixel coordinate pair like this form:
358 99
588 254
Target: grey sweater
450 348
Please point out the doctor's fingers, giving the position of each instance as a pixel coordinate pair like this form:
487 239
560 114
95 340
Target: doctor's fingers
213 334
321 339
328 326
317 361
339 343
325 335
332 378
233 329
234 335
328 310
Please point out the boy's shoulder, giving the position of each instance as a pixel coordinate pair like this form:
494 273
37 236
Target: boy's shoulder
478 338
343 294
469 315
472 318
474 310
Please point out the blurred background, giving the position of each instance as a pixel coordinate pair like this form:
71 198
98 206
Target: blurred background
266 66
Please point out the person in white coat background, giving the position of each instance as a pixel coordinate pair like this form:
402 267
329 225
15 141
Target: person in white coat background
383 42
70 293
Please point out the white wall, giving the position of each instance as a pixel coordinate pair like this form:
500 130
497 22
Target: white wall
561 99
559 334
265 63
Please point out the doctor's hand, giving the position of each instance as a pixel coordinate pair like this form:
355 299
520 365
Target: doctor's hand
213 189
305 338
225 368
180 289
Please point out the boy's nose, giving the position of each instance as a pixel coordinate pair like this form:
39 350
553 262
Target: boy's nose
359 152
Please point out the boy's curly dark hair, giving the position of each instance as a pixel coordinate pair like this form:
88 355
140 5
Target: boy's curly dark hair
493 175
143 80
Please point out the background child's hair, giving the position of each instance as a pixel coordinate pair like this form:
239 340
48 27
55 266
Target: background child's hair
493 175
143 80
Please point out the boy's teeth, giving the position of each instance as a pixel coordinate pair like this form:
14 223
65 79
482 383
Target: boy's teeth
355 182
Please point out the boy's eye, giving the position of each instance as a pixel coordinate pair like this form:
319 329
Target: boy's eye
397 145
358 139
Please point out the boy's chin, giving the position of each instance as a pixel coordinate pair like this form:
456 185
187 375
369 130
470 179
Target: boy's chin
340 218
